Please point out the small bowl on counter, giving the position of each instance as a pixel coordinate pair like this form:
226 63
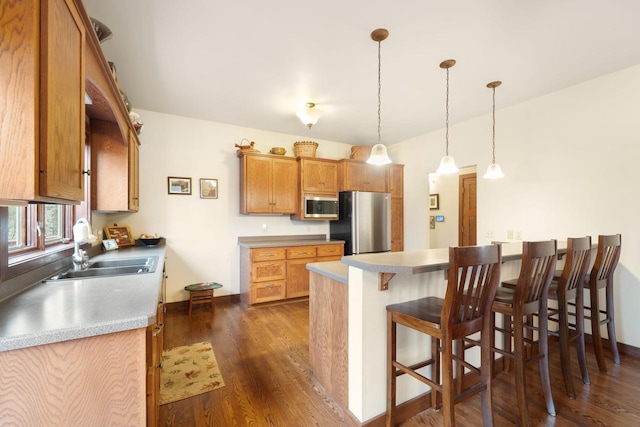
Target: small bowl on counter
150 241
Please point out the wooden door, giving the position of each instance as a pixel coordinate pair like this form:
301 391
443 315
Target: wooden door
257 185
62 101
376 178
467 210
298 277
285 186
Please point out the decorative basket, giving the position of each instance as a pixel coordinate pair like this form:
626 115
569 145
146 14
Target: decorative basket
360 152
305 148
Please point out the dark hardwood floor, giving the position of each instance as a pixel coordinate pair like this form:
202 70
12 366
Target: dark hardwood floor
263 357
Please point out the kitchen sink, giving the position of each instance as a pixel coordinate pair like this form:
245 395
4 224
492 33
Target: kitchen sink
123 262
111 267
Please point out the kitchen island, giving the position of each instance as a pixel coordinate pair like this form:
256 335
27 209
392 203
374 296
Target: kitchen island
348 323
74 352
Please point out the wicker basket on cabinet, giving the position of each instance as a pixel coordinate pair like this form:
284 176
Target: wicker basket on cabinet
305 148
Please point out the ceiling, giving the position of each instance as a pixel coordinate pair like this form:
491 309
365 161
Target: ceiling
255 63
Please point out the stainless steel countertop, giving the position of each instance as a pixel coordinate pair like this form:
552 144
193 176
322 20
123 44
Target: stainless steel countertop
50 312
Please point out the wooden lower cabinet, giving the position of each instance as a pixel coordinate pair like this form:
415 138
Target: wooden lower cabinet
280 273
155 342
94 381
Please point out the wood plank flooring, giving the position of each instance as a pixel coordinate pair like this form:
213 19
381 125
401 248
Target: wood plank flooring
263 355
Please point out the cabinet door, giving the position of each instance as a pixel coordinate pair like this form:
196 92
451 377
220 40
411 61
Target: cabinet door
355 177
376 178
298 277
257 176
62 101
319 176
285 186
134 175
397 224
396 180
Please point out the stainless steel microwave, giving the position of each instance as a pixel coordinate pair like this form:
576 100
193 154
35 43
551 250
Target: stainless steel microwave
320 207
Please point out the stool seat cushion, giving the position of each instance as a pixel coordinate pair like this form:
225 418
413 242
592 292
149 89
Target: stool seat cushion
206 286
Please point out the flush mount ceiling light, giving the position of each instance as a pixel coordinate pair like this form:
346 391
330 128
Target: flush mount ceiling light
494 171
447 163
310 115
379 154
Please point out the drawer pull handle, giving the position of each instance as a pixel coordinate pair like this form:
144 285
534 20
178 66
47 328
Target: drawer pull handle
268 265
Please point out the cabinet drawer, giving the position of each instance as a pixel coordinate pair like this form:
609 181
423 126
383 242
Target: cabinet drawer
268 291
301 252
330 250
268 270
267 254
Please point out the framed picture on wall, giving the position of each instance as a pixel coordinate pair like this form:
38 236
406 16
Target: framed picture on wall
121 235
177 185
434 201
208 188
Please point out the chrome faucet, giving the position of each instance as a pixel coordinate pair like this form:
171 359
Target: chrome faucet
80 258
81 234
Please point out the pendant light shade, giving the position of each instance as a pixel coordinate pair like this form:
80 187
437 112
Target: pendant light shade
379 154
494 171
447 163
310 115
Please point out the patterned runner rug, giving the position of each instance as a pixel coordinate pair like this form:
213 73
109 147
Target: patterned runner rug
188 371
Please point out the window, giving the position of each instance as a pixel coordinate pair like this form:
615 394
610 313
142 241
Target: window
36 228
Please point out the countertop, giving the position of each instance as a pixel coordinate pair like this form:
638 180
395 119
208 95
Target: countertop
422 261
335 270
293 240
56 311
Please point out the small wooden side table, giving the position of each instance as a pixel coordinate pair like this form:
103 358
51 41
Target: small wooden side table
202 293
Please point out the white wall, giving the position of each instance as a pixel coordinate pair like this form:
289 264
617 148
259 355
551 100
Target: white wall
202 234
570 160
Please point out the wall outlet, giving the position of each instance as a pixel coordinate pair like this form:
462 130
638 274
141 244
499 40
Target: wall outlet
509 234
264 228
518 235
489 234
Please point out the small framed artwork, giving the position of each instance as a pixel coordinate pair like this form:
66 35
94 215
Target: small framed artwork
177 185
121 234
110 244
208 188
434 201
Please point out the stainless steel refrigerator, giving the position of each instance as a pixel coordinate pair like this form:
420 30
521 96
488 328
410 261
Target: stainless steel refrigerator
364 222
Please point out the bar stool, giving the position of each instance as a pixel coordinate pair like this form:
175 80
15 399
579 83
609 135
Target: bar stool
527 296
601 276
570 286
202 293
473 277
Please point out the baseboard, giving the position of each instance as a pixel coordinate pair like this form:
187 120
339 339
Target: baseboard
183 306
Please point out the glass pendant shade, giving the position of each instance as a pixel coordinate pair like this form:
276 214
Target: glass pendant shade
309 116
447 166
494 172
379 155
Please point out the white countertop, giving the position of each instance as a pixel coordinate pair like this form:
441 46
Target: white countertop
63 310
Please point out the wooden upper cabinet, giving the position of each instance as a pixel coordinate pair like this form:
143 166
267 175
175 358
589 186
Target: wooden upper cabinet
114 168
42 115
356 175
268 184
318 175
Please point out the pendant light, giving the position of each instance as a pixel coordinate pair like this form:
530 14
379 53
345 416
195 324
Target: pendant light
309 116
447 163
379 154
494 171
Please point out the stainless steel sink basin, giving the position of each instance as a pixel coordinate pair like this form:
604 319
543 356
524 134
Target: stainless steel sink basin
124 262
111 267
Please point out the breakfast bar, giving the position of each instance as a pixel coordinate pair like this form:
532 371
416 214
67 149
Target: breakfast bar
347 322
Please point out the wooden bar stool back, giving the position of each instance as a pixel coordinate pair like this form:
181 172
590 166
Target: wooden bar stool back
569 287
473 277
601 276
529 296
